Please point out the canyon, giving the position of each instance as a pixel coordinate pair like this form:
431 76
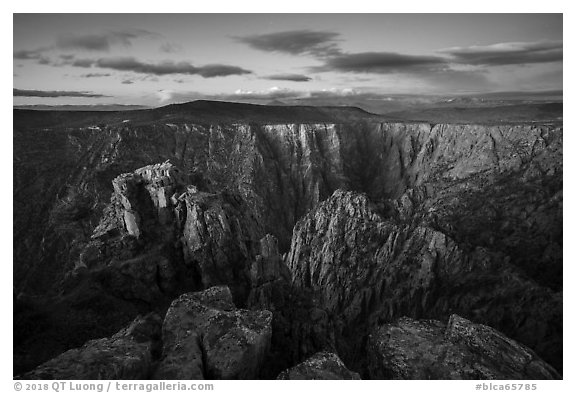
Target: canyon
235 241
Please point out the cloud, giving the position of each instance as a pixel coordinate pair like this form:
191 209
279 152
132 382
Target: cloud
170 47
508 53
53 93
272 93
162 68
295 42
435 72
347 92
88 42
84 63
95 75
102 41
172 96
28 54
289 77
91 42
381 63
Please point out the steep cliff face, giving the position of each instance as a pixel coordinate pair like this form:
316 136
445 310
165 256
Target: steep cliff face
377 220
282 171
160 236
366 268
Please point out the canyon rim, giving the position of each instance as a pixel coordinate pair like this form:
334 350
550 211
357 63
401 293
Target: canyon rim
281 199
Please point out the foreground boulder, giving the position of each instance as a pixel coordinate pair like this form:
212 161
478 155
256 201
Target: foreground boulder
323 365
206 337
126 355
428 349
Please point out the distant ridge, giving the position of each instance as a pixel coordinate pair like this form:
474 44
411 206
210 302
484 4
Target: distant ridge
89 108
223 111
201 111
276 102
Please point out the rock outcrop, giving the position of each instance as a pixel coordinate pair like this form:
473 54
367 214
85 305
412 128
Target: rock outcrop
429 349
323 365
206 337
126 355
220 237
365 268
160 236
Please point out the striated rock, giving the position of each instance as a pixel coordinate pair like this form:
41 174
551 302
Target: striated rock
281 171
205 336
219 238
159 237
142 201
126 355
146 277
365 268
428 349
323 365
269 277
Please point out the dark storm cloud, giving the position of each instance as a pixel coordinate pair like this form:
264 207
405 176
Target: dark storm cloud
163 68
53 93
101 41
508 53
289 77
381 63
295 42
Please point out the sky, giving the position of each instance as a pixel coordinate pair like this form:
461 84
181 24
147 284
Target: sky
157 59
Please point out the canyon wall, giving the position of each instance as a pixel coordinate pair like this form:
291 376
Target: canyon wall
375 221
63 180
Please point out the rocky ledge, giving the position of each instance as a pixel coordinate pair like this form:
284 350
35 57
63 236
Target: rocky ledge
323 365
203 336
429 349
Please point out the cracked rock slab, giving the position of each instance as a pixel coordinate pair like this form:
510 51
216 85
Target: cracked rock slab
126 355
429 349
323 365
206 337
